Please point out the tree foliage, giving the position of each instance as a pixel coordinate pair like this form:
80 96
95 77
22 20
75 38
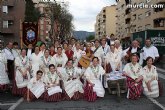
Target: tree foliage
32 14
62 18
90 37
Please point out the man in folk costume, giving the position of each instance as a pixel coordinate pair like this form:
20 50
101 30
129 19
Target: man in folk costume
36 87
35 61
133 73
72 84
29 50
98 51
4 80
114 59
105 48
16 51
150 82
60 58
94 87
22 76
150 51
118 47
53 85
10 60
134 48
45 62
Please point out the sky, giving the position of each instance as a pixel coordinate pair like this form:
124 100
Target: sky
85 12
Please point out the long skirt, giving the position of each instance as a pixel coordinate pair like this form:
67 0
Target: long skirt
53 98
108 68
154 89
4 87
77 95
89 94
32 97
134 89
18 91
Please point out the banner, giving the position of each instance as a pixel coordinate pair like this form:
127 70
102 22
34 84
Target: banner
30 33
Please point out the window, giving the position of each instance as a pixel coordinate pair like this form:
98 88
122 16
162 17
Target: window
140 16
148 13
148 26
140 28
5 9
159 22
134 17
5 24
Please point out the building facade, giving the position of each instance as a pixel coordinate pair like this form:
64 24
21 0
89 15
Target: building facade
106 22
11 16
139 15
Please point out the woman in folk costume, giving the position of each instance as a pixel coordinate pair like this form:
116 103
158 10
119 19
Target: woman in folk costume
35 61
113 61
133 72
59 59
65 47
77 54
98 51
22 76
94 87
69 53
150 82
45 62
52 51
52 85
4 80
42 49
72 84
36 87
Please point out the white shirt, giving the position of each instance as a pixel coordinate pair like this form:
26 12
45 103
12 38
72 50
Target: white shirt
16 52
106 49
56 59
152 51
9 55
29 53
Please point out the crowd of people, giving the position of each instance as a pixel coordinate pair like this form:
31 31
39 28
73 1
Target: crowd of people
73 70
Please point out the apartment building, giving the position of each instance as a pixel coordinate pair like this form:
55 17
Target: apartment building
106 22
139 15
11 15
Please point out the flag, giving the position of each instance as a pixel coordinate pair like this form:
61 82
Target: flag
30 33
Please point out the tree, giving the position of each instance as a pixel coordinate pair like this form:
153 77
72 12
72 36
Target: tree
60 17
31 13
90 37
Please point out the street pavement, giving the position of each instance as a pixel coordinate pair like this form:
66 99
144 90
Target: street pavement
109 102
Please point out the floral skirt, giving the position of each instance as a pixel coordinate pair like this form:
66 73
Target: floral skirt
53 98
89 94
18 91
134 89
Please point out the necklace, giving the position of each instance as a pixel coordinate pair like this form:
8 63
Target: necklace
52 78
24 61
135 72
70 71
46 63
95 70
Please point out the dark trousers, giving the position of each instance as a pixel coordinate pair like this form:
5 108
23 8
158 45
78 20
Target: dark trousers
10 66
